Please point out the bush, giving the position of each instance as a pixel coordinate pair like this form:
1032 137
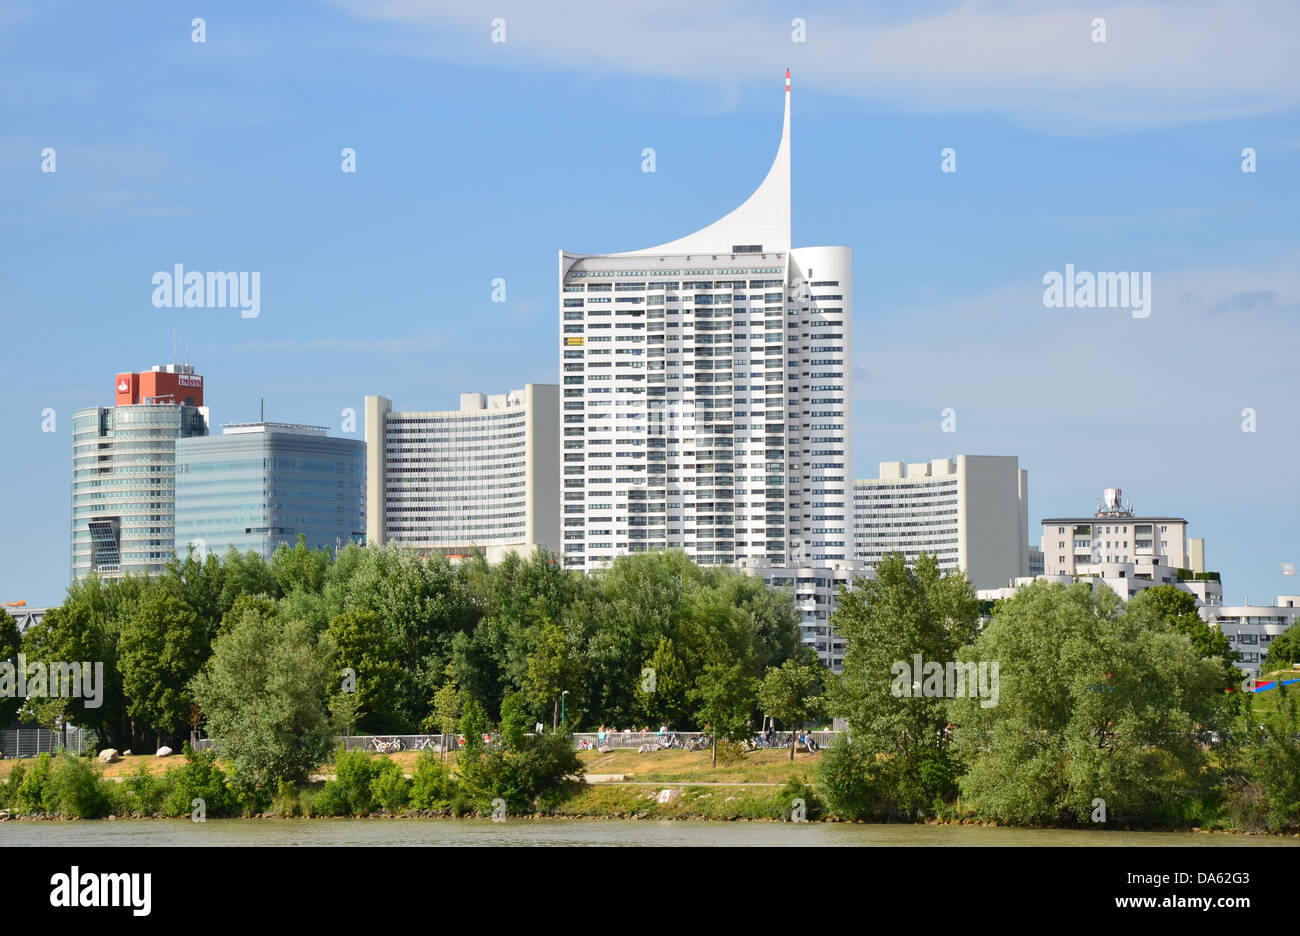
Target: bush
782 805
75 789
433 787
285 801
730 753
307 804
141 792
200 777
9 791
390 789
349 794
532 773
846 778
247 796
30 797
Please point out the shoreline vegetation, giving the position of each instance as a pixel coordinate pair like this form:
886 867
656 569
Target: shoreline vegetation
68 788
1089 712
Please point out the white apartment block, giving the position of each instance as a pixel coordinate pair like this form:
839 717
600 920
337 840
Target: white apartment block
971 513
1125 579
1251 628
816 594
483 477
1114 534
706 392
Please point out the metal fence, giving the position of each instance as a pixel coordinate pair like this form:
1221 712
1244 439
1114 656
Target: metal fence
31 741
393 743
634 739
390 744
387 744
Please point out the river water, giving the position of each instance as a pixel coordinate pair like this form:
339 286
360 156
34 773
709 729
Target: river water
533 832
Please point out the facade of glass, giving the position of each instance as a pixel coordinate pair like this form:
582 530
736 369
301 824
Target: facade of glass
258 485
123 485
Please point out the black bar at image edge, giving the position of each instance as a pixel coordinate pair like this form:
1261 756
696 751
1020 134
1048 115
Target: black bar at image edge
1223 886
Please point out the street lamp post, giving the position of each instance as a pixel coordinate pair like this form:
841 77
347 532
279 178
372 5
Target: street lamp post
562 695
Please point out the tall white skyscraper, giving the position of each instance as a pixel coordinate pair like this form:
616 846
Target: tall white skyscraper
706 392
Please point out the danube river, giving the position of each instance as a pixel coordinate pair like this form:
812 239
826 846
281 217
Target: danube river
534 832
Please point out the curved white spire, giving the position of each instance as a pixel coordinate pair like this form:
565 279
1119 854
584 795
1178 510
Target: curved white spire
763 219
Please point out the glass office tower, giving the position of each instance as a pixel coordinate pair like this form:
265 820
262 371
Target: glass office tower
258 485
123 471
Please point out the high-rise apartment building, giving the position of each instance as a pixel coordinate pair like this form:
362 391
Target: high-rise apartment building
707 394
258 485
123 471
816 596
484 477
971 513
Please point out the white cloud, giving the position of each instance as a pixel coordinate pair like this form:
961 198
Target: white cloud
1162 62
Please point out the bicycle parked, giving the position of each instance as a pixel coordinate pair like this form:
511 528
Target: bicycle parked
671 741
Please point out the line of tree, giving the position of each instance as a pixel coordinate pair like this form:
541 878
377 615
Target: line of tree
399 643
1106 711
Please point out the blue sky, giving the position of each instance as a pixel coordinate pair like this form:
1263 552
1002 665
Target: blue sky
478 159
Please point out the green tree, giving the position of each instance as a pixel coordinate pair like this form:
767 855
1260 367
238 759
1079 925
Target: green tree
1095 701
198 584
86 629
1178 609
886 623
727 699
246 574
363 645
664 693
792 693
10 645
553 668
1284 651
263 693
160 649
447 703
300 567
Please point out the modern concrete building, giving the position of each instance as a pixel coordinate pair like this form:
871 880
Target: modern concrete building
707 392
816 591
258 485
1125 579
1251 628
1115 534
483 477
971 512
123 471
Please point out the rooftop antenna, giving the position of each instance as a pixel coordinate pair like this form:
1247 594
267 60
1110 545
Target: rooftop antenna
187 347
263 401
173 346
